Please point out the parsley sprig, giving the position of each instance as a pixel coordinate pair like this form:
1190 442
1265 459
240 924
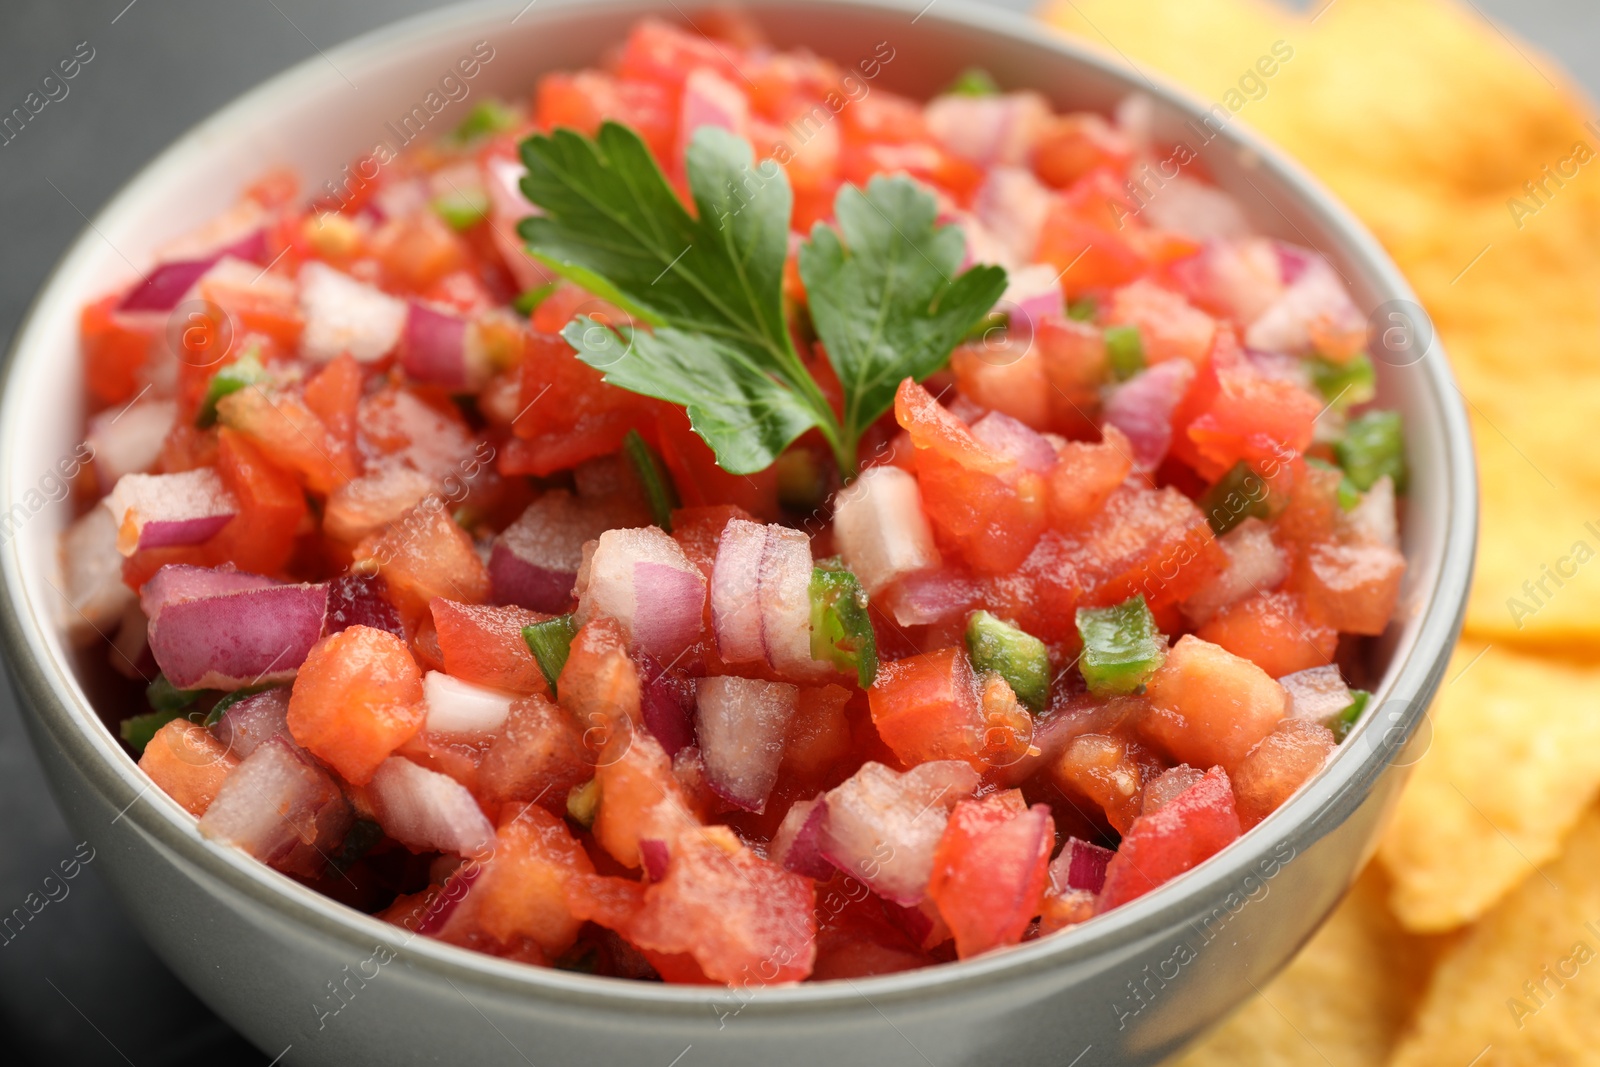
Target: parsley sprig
883 292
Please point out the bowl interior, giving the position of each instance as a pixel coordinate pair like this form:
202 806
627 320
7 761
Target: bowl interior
320 116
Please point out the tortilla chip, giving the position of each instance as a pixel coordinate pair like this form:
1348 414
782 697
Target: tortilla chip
1344 999
1514 761
1523 986
1421 117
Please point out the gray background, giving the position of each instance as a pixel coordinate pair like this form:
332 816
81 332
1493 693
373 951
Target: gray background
78 986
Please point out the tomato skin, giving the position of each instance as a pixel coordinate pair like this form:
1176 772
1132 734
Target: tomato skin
1190 828
483 645
271 508
990 869
356 699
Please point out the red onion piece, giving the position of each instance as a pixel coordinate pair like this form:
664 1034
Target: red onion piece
457 707
761 599
250 723
742 724
249 638
448 900
165 285
1080 865
1313 310
797 846
1197 210
666 703
1032 295
642 579
1292 261
345 315
881 530
433 347
361 600
534 562
1012 204
1255 563
654 857
1240 277
1318 693
988 129
169 510
711 100
427 811
735 595
502 179
883 826
182 581
129 441
252 247
927 597
281 808
1010 438
1142 409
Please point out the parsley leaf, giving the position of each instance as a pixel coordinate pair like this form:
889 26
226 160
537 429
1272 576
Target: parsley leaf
882 299
710 286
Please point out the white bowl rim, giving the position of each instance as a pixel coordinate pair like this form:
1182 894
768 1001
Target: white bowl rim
63 713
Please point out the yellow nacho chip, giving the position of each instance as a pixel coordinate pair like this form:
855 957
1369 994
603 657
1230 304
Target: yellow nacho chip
1523 986
1513 764
1472 162
1343 1001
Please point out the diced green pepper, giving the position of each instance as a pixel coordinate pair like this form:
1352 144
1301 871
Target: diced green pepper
658 487
1237 495
1082 310
1124 351
1014 654
1342 723
462 208
974 81
1121 647
164 696
550 642
486 117
241 373
137 730
1373 446
1343 384
583 803
528 301
841 629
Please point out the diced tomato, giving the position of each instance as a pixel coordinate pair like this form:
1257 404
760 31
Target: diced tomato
1249 417
931 707
187 764
271 508
1280 763
854 937
426 555
538 757
778 79
819 736
600 685
457 755
987 504
1109 770
1070 146
1086 475
568 413
186 448
1274 631
522 891
483 645
640 798
1088 235
743 920
1160 846
659 52
356 698
114 354
582 100
1169 326
285 428
989 870
1009 378
1209 706
333 394
416 250
1352 588
922 160
607 900
1074 358
265 304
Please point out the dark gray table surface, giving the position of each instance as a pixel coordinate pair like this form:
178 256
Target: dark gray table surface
77 985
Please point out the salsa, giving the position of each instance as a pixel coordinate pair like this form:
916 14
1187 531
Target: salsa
720 521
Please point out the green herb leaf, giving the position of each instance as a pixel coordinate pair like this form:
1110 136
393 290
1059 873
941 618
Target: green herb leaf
653 473
841 629
974 81
1121 646
1014 654
884 294
551 642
